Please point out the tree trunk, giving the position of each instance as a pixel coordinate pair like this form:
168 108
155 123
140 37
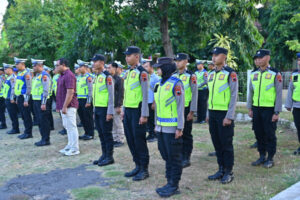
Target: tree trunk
164 29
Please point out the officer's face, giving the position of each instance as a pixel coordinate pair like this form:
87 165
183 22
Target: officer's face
211 67
200 66
159 72
82 70
99 65
218 59
132 59
181 64
8 71
264 61
148 67
20 66
37 68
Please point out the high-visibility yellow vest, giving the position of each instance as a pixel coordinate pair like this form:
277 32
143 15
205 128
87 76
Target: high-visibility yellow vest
82 87
200 78
133 95
185 78
100 91
296 83
264 92
2 77
7 87
54 83
165 101
219 90
37 86
20 86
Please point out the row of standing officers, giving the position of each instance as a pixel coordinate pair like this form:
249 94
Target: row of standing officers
177 96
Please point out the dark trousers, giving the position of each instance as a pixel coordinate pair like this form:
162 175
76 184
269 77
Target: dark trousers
86 117
296 114
171 151
104 129
44 116
187 135
202 105
51 114
264 130
150 122
34 111
135 134
2 111
222 137
26 114
12 109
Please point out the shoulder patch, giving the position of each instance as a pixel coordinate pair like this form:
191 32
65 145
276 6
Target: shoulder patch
45 78
194 79
144 76
178 91
27 76
233 76
279 77
109 80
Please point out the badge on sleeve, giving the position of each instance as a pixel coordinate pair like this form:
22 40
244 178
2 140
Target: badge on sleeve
178 90
279 77
205 74
44 78
168 87
144 77
194 79
27 77
109 80
233 76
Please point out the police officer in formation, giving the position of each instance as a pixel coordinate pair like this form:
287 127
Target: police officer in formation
189 81
84 94
264 104
169 109
223 91
293 99
8 94
136 113
103 101
201 74
41 89
2 99
22 90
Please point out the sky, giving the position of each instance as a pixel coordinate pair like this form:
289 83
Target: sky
3 4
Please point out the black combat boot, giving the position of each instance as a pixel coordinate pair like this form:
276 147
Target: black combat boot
218 175
142 174
133 172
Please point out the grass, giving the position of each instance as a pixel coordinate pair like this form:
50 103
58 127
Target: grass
22 157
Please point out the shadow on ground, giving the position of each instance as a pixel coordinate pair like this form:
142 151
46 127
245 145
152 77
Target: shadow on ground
52 185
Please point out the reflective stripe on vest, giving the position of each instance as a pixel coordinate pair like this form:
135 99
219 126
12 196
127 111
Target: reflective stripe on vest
132 89
82 87
296 83
37 86
264 92
20 86
100 92
54 83
200 79
219 90
165 101
185 78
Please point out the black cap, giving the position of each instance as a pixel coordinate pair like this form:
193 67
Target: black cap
164 61
262 53
182 56
98 57
132 49
219 50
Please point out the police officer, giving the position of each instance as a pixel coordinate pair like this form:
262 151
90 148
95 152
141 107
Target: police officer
2 100
210 66
49 70
191 97
84 95
223 90
103 101
22 89
8 94
169 109
201 74
148 65
264 104
293 99
40 91
136 112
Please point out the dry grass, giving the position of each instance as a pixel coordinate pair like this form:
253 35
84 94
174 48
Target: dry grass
22 157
